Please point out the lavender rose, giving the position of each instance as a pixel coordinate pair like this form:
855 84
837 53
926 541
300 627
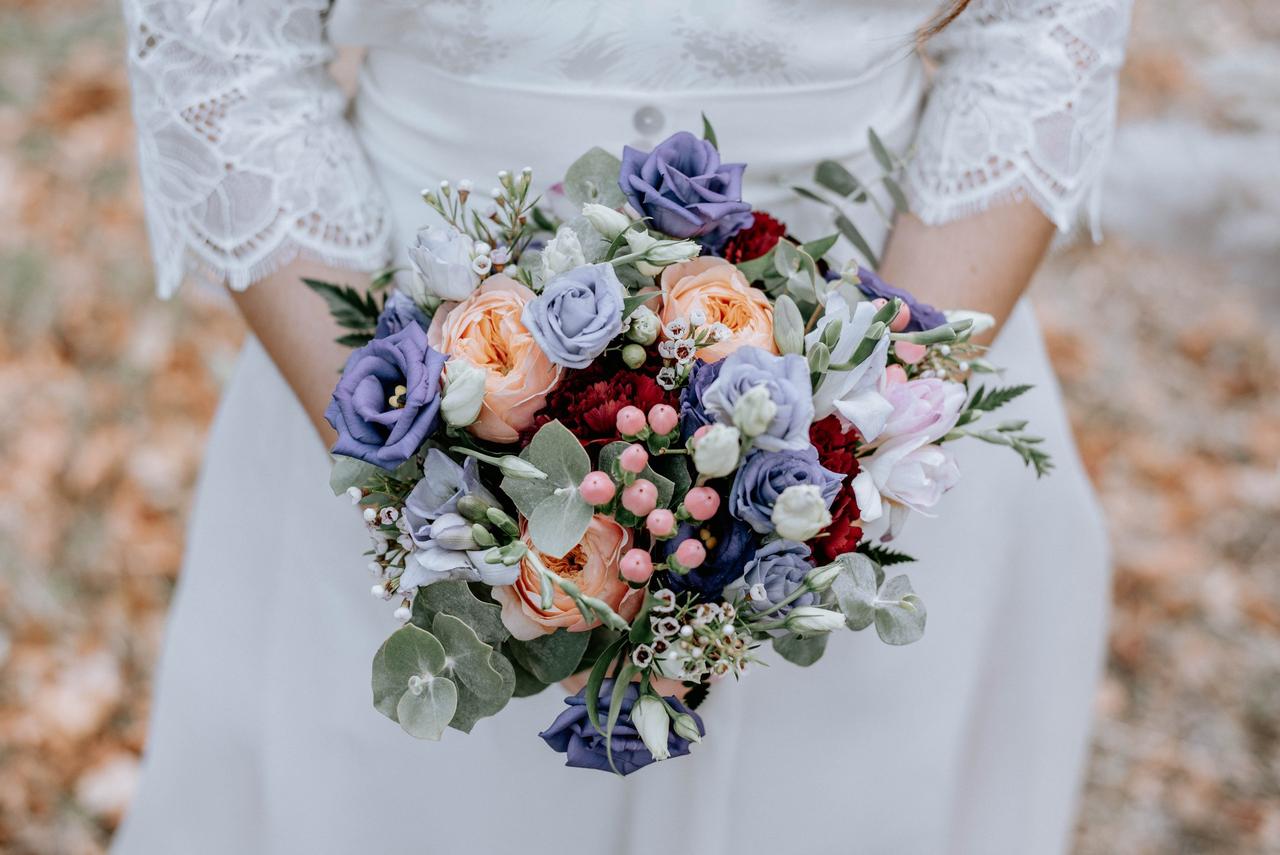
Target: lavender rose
784 378
388 399
585 747
397 313
779 568
577 314
765 474
684 189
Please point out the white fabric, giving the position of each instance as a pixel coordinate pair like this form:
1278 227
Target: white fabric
264 739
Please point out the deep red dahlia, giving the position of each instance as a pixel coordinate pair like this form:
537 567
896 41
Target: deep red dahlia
844 532
755 241
587 401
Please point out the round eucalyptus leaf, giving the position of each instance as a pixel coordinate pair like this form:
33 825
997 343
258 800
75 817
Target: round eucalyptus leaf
558 523
467 657
855 590
900 613
425 713
472 707
551 657
409 652
801 651
455 598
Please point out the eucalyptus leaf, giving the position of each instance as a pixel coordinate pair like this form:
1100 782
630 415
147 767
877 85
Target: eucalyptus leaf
900 613
408 652
556 452
801 651
472 707
527 685
558 523
467 657
427 713
895 193
455 598
850 231
836 178
855 590
594 178
881 153
350 472
551 657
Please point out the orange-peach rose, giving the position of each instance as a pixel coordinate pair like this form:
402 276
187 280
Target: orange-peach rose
485 329
592 565
717 288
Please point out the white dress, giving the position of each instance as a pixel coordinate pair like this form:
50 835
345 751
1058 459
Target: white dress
264 738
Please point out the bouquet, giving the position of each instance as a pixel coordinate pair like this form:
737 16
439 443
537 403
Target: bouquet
634 431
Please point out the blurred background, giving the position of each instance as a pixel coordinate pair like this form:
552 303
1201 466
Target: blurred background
106 394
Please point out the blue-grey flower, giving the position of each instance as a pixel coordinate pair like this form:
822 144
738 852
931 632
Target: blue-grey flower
443 483
693 413
765 474
779 568
785 378
397 313
684 189
577 314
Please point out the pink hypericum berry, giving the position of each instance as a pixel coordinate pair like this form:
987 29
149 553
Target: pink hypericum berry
634 458
636 566
900 320
895 374
630 420
597 488
691 553
702 503
660 522
663 418
908 351
640 497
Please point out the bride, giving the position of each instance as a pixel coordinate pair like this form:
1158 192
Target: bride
264 738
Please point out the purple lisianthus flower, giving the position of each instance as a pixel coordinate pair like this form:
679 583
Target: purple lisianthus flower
577 314
684 189
785 378
693 414
397 313
377 422
732 543
443 483
780 567
765 474
585 747
923 316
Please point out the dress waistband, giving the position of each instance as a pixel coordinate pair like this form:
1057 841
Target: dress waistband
424 125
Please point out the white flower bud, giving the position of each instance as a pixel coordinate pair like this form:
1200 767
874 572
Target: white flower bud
355 494
463 392
517 467
715 453
687 727
562 253
659 253
800 513
754 411
808 620
820 578
654 724
606 220
403 614
644 326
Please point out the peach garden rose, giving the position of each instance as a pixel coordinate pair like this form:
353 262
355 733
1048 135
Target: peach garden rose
724 295
592 565
486 331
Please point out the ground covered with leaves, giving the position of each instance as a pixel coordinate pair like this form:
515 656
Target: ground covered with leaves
106 394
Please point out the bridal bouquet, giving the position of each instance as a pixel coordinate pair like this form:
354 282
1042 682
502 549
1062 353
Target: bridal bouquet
633 432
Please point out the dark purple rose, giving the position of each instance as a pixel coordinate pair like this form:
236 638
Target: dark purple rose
573 734
923 316
684 189
780 567
388 399
730 545
693 414
765 474
397 313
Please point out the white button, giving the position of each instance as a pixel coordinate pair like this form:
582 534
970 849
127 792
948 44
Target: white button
648 120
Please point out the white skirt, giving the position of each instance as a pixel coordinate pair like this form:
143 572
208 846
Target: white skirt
264 738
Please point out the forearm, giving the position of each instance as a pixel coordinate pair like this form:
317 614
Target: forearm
297 331
982 262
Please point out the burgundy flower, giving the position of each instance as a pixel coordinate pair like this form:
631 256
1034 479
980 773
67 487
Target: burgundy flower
836 451
587 401
754 241
844 533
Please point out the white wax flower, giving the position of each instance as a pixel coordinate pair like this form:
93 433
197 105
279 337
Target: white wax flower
808 620
650 717
644 326
715 453
606 220
463 392
562 253
754 411
800 512
442 261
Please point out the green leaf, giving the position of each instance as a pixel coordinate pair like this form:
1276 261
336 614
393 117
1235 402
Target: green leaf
895 193
883 555
609 456
527 685
411 653
349 472
594 178
472 707
456 598
558 523
850 231
900 614
635 301
351 308
674 468
834 177
355 339
556 451
820 247
855 590
426 714
485 679
801 651
708 132
988 399
551 657
881 153
625 673
596 679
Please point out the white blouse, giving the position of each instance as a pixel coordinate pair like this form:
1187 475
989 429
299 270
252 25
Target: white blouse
248 161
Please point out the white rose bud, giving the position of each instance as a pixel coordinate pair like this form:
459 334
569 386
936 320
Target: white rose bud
463 392
658 253
754 411
644 326
517 467
562 253
442 262
809 620
606 220
820 578
651 719
715 453
800 513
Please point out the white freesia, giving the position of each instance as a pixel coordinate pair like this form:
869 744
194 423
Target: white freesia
715 453
653 723
854 394
754 411
808 620
463 392
800 512
643 326
562 253
606 220
442 262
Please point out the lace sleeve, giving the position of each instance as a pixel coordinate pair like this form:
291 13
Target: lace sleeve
1022 106
247 161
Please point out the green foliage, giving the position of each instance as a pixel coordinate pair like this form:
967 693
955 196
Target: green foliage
900 614
351 309
865 598
349 472
884 556
558 516
457 599
708 132
594 178
551 657
801 651
993 398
